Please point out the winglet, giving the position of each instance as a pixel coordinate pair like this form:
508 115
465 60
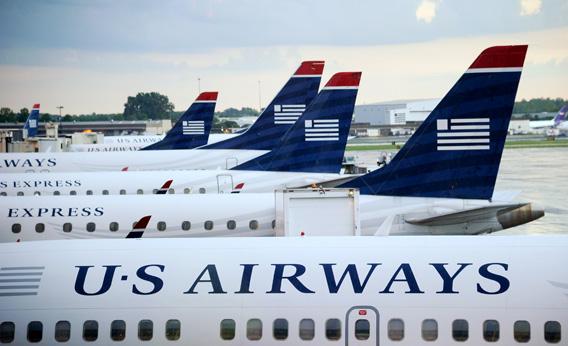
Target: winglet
207 96
310 68
164 189
344 80
139 227
505 58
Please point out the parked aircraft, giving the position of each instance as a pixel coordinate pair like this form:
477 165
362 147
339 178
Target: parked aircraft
293 162
286 291
31 124
558 122
261 137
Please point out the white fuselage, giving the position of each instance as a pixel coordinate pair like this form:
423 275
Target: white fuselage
133 143
211 215
131 160
287 291
147 182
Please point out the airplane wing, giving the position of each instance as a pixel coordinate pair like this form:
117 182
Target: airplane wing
330 183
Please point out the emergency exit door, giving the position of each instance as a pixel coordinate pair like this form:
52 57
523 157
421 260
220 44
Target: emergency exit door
224 183
362 326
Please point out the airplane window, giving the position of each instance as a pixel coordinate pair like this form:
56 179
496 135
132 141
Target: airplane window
186 225
253 224
396 329
16 228
161 226
491 330
552 331
3 194
90 330
140 192
20 193
155 191
460 330
56 193
171 191
231 224
280 329
105 192
333 329
307 329
123 192
67 227
113 226
187 190
522 331
145 330
362 329
39 227
254 329
37 193
227 329
208 225
62 331
429 330
173 329
7 331
91 226
273 224
35 331
89 192
72 193
202 190
118 330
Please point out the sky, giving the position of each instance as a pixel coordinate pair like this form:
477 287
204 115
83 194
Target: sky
89 56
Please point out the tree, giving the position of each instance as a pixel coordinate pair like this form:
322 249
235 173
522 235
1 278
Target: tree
7 115
23 115
147 106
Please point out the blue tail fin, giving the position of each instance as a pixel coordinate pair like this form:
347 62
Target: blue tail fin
30 127
316 142
192 128
456 152
281 113
561 116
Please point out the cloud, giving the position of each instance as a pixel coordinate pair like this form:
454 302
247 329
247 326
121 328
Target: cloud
426 11
530 7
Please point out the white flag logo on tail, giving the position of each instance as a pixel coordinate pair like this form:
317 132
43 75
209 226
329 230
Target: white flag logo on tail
463 134
322 130
287 114
195 127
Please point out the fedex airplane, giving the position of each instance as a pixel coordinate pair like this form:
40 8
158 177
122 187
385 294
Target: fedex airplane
30 127
260 138
190 131
558 122
441 182
288 291
311 151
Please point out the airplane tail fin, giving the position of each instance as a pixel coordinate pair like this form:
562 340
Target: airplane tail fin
316 142
139 227
281 113
456 151
30 127
561 116
164 189
192 128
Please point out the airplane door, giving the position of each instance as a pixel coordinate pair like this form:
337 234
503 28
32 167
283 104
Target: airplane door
231 162
224 183
362 326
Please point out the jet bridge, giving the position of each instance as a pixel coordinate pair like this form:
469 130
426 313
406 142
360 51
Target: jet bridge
317 212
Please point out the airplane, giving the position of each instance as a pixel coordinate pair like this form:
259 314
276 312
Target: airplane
313 291
441 182
260 138
555 126
294 162
31 124
190 131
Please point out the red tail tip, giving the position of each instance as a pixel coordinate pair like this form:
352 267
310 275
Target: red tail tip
345 79
239 186
143 222
207 96
501 57
36 105
310 68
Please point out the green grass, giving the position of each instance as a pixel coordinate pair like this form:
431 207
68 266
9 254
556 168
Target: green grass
511 144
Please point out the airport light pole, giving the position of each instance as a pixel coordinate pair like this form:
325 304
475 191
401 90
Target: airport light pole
60 108
259 98
199 85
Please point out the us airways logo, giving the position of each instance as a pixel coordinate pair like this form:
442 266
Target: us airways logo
322 130
463 134
55 212
193 127
33 123
20 281
281 278
287 114
28 163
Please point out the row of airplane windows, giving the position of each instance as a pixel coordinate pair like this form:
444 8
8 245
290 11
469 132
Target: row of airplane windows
186 191
161 226
280 330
